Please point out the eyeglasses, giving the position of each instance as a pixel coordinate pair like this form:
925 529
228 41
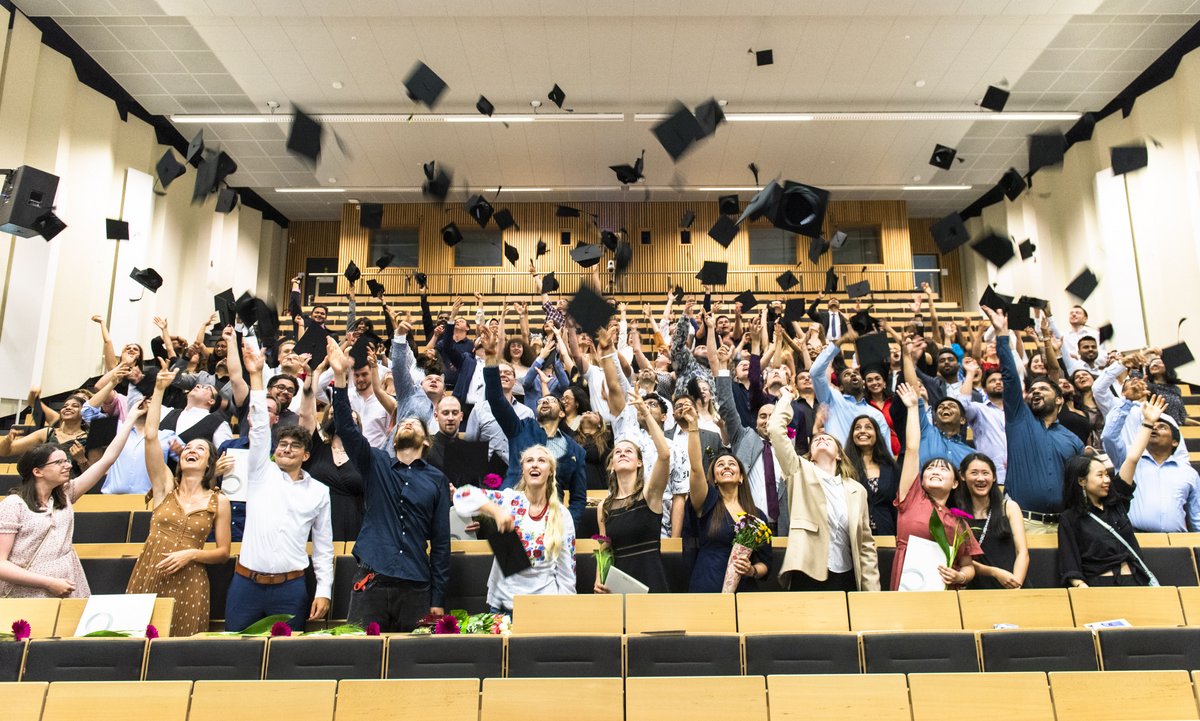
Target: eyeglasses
59 462
284 387
286 446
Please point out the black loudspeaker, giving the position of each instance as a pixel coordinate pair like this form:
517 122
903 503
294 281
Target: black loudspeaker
27 196
800 209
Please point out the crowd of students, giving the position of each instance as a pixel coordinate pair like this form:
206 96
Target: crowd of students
687 419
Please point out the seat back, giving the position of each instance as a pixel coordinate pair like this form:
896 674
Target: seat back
101 527
1149 649
588 699
1043 568
23 701
108 575
12 655
716 655
1140 606
129 700
1024 608
453 699
1014 650
71 610
1114 695
40 613
912 611
208 659
782 612
1173 566
592 613
692 612
139 526
654 699
1023 696
930 652
564 656
802 653
263 700
425 657
467 588
324 657
878 697
84 659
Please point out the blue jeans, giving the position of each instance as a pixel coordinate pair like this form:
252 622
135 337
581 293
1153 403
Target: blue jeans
249 602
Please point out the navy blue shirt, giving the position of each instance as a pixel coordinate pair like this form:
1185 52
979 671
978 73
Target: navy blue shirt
1036 454
406 505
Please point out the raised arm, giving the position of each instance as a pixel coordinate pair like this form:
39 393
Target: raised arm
1152 410
616 399
165 335
308 399
162 481
938 336
95 472
656 479
504 414
233 364
784 447
912 441
357 447
726 405
697 481
110 355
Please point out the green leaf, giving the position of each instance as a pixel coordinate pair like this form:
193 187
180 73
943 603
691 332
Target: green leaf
604 561
107 634
263 627
346 629
461 615
938 532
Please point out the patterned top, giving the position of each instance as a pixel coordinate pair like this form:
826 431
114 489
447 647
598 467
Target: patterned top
42 545
547 575
553 314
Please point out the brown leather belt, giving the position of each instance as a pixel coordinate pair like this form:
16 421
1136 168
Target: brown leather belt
266 579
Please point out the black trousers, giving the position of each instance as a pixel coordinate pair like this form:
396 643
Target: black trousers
834 582
394 603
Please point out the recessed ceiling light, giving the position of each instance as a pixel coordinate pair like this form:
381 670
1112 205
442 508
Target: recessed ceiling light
337 85
916 177
333 180
722 103
920 83
354 37
535 103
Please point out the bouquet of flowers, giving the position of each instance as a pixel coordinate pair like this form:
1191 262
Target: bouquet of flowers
458 621
937 531
277 625
749 533
603 555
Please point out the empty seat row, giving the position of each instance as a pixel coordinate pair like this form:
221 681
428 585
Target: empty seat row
1065 696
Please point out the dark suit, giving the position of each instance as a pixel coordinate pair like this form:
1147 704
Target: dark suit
824 317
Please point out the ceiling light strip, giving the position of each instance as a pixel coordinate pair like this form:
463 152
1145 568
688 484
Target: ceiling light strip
884 116
401 118
617 189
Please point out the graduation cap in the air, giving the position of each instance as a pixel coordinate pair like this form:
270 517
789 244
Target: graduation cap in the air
504 219
586 255
608 239
831 281
678 130
1012 184
549 283
763 57
1177 355
480 209
313 343
511 253
729 205
800 209
421 279
622 257
195 149
542 248
423 85
1127 158
1106 332
859 289
1027 249
375 288
723 231
557 96
787 280
225 306
993 300
708 116
437 181
872 350
1083 285
244 307
213 170
352 273
227 200
48 225
384 260
943 157
148 278
629 174
116 229
689 217
304 138
589 310
370 216
451 235
1019 316
1032 302
713 273
863 322
677 293
949 233
483 105
763 202
996 248
566 211
358 351
994 99
1046 150
168 168
747 299
794 311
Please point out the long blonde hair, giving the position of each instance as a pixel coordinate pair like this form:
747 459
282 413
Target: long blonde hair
554 507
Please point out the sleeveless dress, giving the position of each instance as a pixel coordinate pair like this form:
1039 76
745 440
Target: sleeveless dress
171 530
635 531
998 548
42 545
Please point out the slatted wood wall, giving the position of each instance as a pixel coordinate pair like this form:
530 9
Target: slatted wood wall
663 263
922 242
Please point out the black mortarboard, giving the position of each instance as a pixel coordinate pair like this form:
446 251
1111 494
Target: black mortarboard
713 273
1046 150
102 430
384 260
480 209
787 280
358 351
817 248
1012 184
996 248
678 293
992 299
608 239
863 322
794 310
831 281
421 279
424 85
266 317
451 235
313 343
374 287
511 253
729 205
678 131
838 240
586 255
148 279
801 209
48 225
1083 285
485 106
628 174
1106 332
566 211
1027 249
872 350
195 149
949 232
244 307
370 216
589 310
352 273
708 116
116 229
1128 158
304 139
437 186
549 283
557 96
747 300
689 217
227 200
723 231
623 256
214 168
542 248
859 289
1032 302
168 168
468 464
994 98
224 305
508 551
764 202
1177 355
1019 317
763 57
943 157
504 220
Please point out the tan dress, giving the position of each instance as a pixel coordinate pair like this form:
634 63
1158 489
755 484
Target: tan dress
171 530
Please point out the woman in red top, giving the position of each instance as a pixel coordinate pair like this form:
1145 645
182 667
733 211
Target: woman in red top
915 502
875 385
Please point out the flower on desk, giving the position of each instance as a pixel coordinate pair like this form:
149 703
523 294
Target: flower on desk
372 629
20 630
447 624
279 628
151 632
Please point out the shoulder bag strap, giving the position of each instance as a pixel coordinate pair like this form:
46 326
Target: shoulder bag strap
1138 558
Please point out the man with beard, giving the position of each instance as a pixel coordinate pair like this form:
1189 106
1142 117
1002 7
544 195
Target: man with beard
407 506
1038 445
543 429
849 403
986 418
1087 358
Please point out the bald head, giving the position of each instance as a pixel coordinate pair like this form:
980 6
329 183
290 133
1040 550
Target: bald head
449 415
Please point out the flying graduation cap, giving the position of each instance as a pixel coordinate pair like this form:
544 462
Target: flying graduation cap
629 174
304 138
994 99
168 168
557 96
423 85
943 157
480 209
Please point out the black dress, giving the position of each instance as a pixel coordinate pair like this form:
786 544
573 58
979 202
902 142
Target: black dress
881 497
996 540
1087 550
345 489
594 468
712 554
635 531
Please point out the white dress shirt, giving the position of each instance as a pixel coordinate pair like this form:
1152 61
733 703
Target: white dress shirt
282 514
838 513
376 421
482 426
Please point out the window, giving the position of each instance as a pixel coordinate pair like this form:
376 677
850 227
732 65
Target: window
685 237
772 246
403 243
862 247
478 249
928 271
645 237
564 237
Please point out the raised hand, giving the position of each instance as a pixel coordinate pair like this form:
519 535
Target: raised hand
253 360
339 362
164 379
907 395
1152 409
161 323
998 320
224 465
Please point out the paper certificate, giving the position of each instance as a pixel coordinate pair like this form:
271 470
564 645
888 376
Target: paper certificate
233 485
620 582
921 561
129 613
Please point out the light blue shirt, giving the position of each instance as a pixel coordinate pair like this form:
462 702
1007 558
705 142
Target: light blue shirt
843 409
128 473
936 444
987 426
1167 499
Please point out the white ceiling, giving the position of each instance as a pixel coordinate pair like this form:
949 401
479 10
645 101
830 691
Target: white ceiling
626 56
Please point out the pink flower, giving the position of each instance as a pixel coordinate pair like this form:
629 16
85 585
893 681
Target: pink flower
605 540
962 514
281 629
493 481
151 632
21 630
372 629
791 432
447 625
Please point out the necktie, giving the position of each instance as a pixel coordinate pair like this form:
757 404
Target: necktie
834 329
768 461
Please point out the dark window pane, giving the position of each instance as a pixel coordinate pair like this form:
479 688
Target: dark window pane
478 249
772 246
862 247
400 242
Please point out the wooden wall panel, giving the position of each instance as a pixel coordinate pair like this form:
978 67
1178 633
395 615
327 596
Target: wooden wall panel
662 264
922 242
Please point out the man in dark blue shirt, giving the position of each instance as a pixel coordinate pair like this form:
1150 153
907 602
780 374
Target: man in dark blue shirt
1038 445
407 505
